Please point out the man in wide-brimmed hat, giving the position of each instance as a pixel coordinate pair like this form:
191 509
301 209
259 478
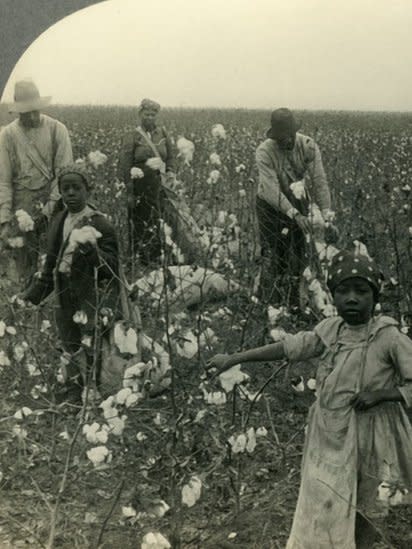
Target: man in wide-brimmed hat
291 182
32 149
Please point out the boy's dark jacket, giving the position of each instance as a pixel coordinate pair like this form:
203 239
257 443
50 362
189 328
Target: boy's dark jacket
81 281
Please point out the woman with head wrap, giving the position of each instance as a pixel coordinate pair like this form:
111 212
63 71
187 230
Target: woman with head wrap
357 459
147 157
82 267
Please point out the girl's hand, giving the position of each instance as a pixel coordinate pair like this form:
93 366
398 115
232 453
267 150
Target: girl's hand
366 399
220 362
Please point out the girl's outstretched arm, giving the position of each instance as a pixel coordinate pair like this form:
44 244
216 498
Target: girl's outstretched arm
267 353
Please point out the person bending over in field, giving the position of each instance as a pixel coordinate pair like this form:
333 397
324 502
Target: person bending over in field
32 150
291 177
359 435
146 157
82 267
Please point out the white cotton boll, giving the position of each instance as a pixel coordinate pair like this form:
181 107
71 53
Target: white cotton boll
86 234
217 398
122 395
24 221
248 395
133 399
242 193
97 158
155 163
207 337
214 159
261 432
298 189
99 455
187 347
136 173
311 384
3 327
15 242
155 540
218 131
125 339
23 413
238 443
191 491
80 317
140 437
117 425
214 177
274 314
186 150
277 334
158 508
241 168
233 376
45 326
251 440
128 511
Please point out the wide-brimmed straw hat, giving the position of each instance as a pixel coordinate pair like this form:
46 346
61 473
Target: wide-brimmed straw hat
27 97
283 123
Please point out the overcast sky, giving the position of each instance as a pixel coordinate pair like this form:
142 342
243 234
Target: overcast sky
312 54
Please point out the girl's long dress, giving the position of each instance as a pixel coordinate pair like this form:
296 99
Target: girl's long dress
348 454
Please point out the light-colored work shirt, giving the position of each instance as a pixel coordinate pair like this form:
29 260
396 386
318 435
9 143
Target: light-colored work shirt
279 168
19 176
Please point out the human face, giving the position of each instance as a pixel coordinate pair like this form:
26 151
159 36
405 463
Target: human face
74 192
354 300
148 119
286 141
30 119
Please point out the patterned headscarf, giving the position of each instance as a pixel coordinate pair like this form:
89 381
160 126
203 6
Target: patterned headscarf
348 264
149 104
78 168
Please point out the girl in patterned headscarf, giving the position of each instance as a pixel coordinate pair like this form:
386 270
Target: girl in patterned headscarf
357 459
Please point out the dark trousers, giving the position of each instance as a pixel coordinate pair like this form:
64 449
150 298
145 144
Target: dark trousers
283 255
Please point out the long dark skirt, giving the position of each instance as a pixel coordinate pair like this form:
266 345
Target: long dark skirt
144 219
283 255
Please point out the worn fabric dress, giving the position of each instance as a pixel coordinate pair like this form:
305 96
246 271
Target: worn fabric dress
147 190
348 454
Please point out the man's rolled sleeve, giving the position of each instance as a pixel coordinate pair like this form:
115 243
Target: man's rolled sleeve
302 346
269 184
6 191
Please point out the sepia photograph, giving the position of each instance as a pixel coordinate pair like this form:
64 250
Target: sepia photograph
205 274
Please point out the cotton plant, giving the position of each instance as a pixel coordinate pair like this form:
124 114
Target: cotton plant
24 221
97 158
155 540
125 338
218 131
214 177
185 149
192 491
214 159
